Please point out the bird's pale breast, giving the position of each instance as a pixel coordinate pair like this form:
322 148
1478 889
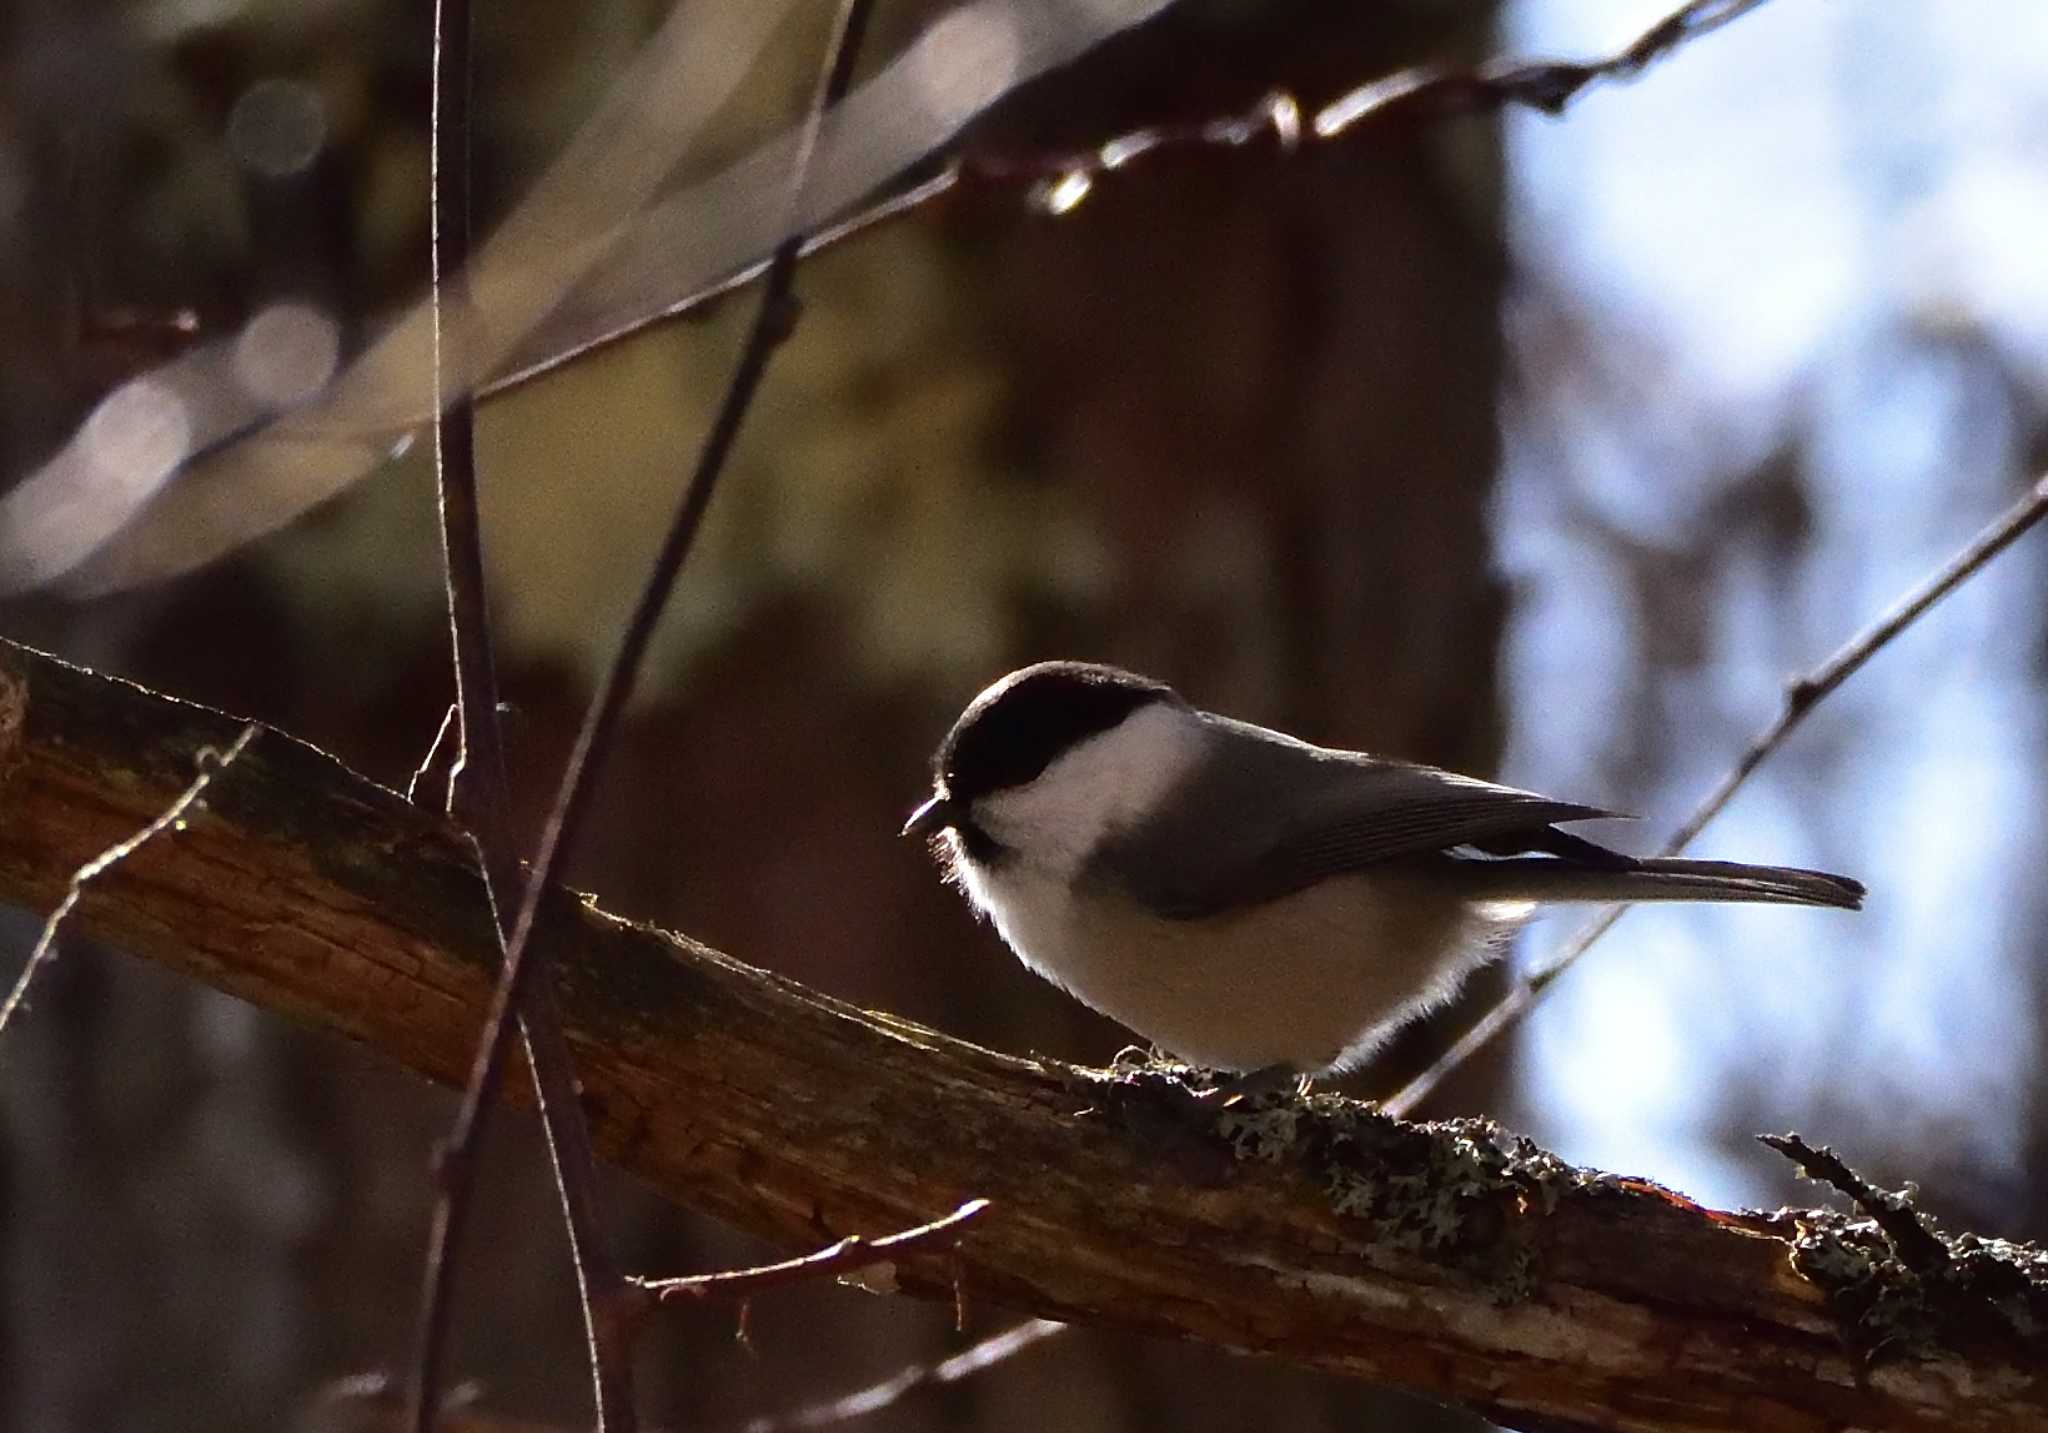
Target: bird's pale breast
1314 980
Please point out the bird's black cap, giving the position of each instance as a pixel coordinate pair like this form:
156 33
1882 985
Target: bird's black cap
1022 724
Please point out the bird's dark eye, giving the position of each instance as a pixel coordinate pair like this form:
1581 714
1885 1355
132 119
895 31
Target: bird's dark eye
1018 728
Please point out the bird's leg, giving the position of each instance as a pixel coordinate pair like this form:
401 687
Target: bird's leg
1268 1079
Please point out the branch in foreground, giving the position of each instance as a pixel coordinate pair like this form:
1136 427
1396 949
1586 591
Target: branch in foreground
210 763
1450 1260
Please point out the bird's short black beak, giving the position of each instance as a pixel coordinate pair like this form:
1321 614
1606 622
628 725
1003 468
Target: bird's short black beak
935 815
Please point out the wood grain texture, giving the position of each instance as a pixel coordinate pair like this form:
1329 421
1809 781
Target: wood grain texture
1450 1260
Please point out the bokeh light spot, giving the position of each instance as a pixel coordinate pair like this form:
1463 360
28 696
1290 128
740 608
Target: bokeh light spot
138 435
964 62
277 127
286 354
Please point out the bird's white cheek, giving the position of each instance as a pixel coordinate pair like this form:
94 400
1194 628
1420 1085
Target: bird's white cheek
1056 821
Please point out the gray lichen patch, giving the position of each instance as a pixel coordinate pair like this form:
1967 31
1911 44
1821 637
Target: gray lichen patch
1985 1290
1451 1189
1898 1283
1455 1191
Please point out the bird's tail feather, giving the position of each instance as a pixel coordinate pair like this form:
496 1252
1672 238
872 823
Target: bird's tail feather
1545 878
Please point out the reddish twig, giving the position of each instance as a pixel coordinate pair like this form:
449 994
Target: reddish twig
1422 91
211 764
1546 85
772 325
849 1255
1802 694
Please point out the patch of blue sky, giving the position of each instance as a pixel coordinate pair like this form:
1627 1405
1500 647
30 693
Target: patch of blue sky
1821 226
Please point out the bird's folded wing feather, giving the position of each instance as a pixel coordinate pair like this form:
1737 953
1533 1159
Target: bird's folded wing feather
1275 816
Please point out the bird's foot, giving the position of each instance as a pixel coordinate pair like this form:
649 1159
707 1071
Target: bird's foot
1268 1079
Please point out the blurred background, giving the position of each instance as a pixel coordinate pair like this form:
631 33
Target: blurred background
1540 448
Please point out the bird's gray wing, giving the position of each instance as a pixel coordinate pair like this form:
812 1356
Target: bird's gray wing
1269 816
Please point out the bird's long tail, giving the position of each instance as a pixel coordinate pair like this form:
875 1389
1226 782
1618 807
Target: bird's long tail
1551 878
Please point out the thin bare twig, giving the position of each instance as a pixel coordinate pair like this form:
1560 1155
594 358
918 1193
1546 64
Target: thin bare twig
211 764
1421 91
1802 694
878 1396
435 748
480 798
375 1404
772 325
875 215
477 793
1546 85
849 1255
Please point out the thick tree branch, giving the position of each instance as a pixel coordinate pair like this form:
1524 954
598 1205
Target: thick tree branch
1448 1259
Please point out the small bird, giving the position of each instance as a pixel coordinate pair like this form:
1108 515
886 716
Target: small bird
1248 901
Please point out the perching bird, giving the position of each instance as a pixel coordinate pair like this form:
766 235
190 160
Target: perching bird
1245 900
